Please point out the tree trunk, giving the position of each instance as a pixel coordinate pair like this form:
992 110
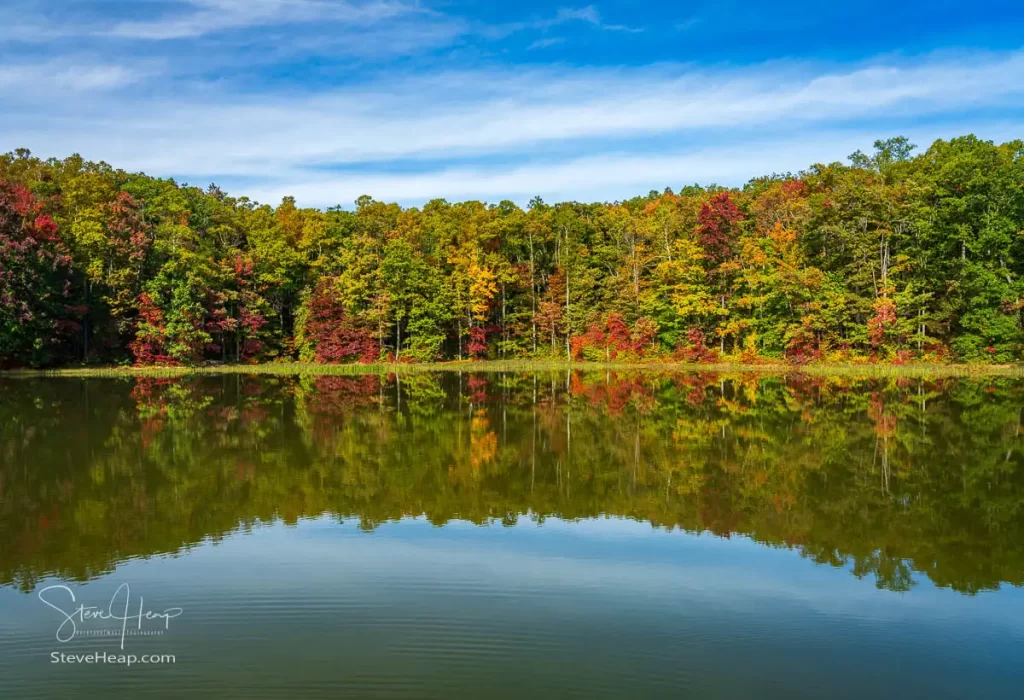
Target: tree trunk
85 322
722 340
884 260
636 279
568 351
533 297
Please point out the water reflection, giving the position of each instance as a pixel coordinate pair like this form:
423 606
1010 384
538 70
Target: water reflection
896 479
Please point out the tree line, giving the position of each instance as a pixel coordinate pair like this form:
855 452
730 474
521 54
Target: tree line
890 257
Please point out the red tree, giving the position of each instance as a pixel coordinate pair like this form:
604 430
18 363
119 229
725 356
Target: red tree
333 333
477 346
35 280
150 335
696 350
884 321
716 226
614 336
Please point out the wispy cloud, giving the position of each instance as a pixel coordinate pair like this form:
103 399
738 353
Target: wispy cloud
622 28
584 14
63 76
498 111
588 15
416 128
613 175
603 177
544 43
37 22
273 29
212 16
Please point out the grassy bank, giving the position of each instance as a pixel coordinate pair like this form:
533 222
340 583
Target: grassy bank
857 370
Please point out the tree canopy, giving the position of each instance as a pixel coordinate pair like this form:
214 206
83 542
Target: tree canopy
891 256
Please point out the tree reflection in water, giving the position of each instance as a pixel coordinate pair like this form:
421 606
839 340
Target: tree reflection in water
894 478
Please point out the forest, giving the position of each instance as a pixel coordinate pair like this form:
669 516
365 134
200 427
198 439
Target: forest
894 256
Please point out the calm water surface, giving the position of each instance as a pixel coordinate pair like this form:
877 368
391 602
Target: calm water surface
509 536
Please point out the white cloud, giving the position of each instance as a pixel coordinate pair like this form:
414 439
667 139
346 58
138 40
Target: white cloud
211 16
565 15
588 14
544 43
590 116
604 177
473 113
332 29
598 177
65 75
584 14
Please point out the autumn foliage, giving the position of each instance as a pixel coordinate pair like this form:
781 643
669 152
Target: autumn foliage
882 323
716 226
37 312
889 257
695 350
331 332
613 339
148 348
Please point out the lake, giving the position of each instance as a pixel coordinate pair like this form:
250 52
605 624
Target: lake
457 535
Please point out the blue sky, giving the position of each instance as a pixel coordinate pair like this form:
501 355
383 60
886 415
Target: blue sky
407 100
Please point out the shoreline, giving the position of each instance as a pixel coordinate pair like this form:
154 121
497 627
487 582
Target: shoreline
526 366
